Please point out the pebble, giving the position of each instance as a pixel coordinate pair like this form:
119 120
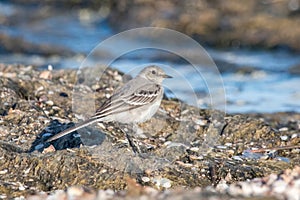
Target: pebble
230 152
21 186
49 149
105 194
285 185
27 171
63 94
49 102
222 185
162 182
166 183
23 141
3 171
221 147
56 108
50 67
78 192
46 75
283 129
50 92
47 134
200 122
118 78
294 135
284 137
145 179
194 149
39 146
237 158
170 144
228 144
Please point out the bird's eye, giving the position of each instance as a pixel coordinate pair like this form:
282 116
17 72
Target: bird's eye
153 72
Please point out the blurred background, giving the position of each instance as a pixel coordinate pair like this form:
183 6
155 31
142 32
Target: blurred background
255 44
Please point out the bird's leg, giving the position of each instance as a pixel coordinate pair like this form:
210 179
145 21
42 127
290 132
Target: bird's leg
135 148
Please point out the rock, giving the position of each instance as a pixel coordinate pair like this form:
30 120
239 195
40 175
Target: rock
10 44
231 24
174 154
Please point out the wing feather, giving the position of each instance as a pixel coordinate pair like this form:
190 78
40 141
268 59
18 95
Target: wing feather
124 101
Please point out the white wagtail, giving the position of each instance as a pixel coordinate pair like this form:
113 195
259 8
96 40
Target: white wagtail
135 102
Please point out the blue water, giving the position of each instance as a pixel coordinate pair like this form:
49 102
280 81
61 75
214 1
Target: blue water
268 88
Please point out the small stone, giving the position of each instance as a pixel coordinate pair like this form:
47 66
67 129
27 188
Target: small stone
27 171
194 149
50 67
200 122
200 157
237 158
50 92
221 147
46 75
63 94
78 192
118 78
197 127
162 182
284 137
39 146
283 129
59 194
3 171
21 186
222 186
23 141
166 183
47 134
56 108
230 152
49 149
228 144
145 179
49 102
294 135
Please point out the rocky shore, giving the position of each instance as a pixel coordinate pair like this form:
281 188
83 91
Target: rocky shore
252 24
183 156
263 24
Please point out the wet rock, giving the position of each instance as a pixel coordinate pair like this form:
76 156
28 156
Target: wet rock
254 23
10 44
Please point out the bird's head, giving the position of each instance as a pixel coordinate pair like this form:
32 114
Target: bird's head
154 73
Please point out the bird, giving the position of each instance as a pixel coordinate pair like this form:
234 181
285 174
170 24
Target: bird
135 102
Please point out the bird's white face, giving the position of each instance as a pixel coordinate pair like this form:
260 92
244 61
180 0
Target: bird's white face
154 73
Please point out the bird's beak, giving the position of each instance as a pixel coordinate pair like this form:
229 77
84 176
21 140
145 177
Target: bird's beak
167 76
